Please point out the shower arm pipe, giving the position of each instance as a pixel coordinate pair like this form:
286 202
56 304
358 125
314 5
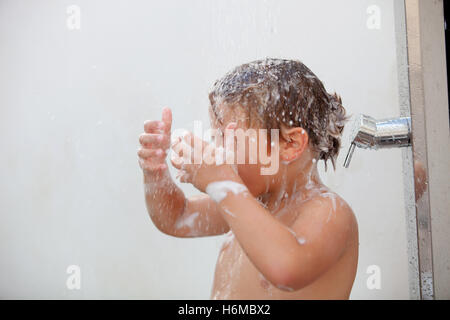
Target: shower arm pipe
369 133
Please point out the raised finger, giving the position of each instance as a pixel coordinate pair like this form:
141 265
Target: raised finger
167 118
153 126
151 153
154 140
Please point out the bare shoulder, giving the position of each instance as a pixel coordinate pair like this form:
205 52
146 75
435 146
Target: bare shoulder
326 201
327 213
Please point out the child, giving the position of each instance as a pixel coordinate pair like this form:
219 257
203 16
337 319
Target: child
289 236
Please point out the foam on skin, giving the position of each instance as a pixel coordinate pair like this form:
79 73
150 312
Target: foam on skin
228 212
218 190
300 240
284 288
187 221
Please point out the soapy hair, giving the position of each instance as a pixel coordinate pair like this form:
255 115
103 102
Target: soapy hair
278 91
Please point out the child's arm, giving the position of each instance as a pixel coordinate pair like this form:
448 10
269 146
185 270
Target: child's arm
175 215
166 204
290 258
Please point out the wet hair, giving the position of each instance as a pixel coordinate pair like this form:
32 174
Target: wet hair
277 91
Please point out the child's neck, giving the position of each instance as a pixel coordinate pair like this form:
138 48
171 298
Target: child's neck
293 178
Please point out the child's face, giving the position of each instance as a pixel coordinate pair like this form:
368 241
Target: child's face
250 169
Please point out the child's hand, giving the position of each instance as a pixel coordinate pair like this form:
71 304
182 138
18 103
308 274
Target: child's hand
201 172
155 144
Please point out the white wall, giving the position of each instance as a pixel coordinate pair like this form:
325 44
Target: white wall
72 105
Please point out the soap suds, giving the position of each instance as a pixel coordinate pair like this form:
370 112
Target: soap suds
285 288
310 184
332 197
228 238
278 90
229 212
300 240
186 221
218 190
219 155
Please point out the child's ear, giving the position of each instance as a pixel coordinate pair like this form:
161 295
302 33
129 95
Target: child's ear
293 143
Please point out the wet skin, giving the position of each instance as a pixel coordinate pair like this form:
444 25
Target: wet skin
295 219
237 278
